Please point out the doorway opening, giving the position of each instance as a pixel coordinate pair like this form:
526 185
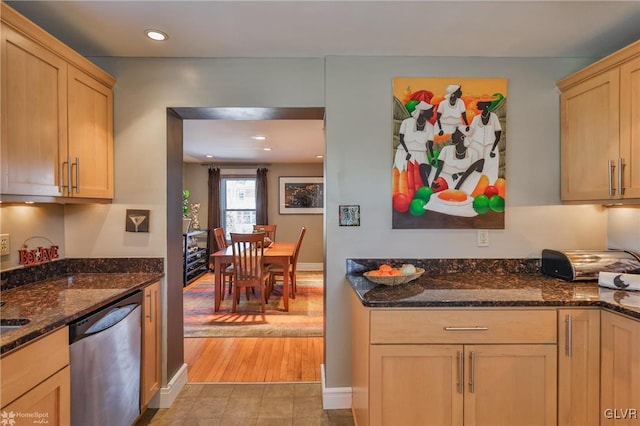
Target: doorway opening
224 359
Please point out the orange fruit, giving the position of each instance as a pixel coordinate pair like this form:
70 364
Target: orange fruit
395 272
385 267
444 137
453 195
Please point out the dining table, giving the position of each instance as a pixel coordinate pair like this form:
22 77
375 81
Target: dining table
276 253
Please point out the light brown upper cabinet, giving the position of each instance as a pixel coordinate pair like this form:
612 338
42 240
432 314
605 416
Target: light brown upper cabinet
600 138
57 116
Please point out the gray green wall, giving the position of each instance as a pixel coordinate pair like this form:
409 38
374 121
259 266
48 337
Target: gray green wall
356 92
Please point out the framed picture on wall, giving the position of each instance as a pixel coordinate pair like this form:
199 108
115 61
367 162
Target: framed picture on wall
137 221
448 162
301 195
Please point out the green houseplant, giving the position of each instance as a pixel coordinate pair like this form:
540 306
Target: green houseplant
185 202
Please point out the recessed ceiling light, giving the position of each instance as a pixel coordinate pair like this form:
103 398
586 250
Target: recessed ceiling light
259 138
156 35
266 149
319 156
209 156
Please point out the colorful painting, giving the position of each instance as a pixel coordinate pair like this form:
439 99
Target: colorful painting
449 145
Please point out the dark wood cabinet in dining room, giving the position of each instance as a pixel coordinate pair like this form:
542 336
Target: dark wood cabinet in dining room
195 255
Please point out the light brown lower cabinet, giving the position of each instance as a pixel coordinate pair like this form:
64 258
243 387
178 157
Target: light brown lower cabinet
454 366
620 370
463 385
151 378
578 367
36 383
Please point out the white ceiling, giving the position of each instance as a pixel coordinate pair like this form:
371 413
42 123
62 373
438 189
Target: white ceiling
290 141
590 29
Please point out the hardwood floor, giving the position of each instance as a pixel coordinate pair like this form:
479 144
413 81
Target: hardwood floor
249 359
253 359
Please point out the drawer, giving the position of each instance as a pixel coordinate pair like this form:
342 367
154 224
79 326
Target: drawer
464 326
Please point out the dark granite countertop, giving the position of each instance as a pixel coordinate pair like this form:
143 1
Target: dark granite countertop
54 302
507 285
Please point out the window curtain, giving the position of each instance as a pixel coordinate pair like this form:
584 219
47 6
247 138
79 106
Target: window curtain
213 211
262 216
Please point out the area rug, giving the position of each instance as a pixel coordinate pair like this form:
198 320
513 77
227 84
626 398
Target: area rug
304 319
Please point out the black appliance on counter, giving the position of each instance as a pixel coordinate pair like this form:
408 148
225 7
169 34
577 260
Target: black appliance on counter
583 265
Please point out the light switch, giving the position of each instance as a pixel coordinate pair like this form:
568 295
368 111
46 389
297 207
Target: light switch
483 238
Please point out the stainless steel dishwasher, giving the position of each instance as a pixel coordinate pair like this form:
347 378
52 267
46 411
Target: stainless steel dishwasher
105 364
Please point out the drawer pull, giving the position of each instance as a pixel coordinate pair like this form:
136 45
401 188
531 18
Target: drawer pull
466 328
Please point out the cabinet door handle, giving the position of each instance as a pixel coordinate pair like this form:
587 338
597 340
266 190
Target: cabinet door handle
569 322
62 185
472 372
612 190
466 328
77 166
620 173
460 372
150 307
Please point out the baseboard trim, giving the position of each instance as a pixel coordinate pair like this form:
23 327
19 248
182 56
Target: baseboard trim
334 398
310 266
165 396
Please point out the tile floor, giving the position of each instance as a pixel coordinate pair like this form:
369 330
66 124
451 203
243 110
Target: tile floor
217 404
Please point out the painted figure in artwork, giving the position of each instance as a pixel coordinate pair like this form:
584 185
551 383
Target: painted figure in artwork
451 111
456 163
416 140
485 132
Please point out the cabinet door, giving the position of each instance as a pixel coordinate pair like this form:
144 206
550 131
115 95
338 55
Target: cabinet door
578 367
590 135
51 400
510 384
416 385
90 136
151 346
34 117
620 370
629 128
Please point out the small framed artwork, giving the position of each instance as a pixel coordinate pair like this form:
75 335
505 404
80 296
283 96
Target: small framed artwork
301 195
349 215
137 221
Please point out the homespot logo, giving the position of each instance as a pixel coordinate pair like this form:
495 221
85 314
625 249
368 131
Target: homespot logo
621 413
12 418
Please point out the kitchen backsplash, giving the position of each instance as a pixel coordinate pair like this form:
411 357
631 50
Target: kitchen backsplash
30 274
623 228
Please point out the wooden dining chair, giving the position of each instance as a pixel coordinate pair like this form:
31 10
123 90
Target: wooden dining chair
227 269
277 271
269 230
248 266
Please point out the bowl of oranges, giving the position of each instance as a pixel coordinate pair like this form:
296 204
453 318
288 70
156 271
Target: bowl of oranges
388 275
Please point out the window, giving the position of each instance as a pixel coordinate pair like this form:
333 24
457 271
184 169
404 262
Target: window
238 204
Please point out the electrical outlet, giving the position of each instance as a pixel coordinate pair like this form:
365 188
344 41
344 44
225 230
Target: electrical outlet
483 238
4 245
